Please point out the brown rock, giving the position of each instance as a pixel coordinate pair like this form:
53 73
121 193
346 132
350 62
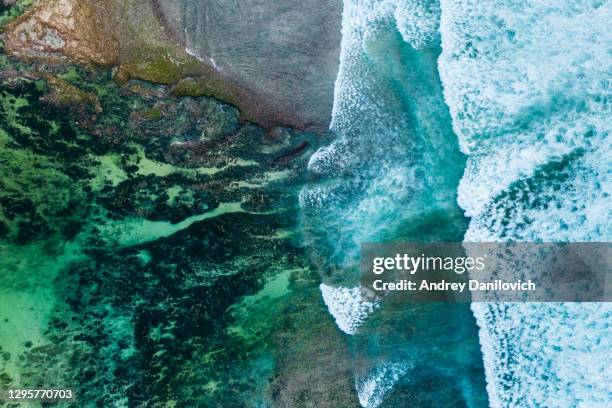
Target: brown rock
60 30
133 36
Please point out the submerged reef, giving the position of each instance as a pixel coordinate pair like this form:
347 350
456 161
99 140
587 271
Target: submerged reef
147 243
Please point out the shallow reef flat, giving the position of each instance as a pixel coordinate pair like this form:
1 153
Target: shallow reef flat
148 251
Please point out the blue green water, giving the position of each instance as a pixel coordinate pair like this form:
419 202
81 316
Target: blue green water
158 250
524 95
391 174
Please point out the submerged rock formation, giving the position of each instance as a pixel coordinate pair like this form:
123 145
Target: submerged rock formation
146 249
146 231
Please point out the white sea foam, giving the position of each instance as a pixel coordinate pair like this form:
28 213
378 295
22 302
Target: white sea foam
355 204
347 306
527 84
418 21
388 109
372 180
546 354
374 387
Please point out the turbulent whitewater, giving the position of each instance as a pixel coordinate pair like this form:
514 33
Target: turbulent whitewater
388 117
391 173
526 88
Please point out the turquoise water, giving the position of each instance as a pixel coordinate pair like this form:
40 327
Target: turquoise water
524 95
391 174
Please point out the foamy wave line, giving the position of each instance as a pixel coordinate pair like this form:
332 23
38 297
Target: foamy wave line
374 387
347 306
530 108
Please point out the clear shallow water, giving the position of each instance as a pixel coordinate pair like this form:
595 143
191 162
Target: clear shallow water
527 88
141 271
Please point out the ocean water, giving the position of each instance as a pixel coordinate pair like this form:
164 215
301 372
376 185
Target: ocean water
391 173
524 94
528 87
394 157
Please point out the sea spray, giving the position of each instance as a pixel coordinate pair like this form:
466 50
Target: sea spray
527 85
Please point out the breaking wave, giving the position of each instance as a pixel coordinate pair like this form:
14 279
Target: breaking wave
393 167
347 306
527 84
372 389
378 179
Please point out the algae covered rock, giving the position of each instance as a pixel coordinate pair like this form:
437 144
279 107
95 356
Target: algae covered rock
126 35
135 39
148 238
58 30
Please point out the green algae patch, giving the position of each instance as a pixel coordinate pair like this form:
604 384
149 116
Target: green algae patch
72 75
63 93
193 86
159 65
10 106
26 211
10 11
109 172
154 113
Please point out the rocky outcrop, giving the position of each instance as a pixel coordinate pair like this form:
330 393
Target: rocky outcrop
128 36
283 77
60 30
